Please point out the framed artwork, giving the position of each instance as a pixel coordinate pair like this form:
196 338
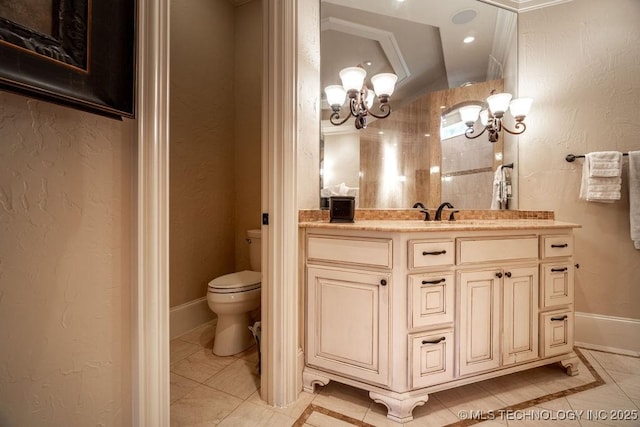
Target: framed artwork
79 53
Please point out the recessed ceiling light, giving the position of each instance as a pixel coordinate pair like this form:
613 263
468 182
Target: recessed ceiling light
368 63
469 39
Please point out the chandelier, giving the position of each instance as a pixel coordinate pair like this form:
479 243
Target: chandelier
491 118
361 98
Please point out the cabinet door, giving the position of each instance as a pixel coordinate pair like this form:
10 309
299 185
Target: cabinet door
348 323
479 320
520 314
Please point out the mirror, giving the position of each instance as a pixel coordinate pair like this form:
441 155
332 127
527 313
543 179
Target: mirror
419 152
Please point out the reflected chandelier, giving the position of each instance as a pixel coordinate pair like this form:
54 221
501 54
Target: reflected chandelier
360 97
491 118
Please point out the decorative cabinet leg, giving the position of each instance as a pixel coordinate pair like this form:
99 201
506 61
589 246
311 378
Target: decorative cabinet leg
571 365
399 410
311 379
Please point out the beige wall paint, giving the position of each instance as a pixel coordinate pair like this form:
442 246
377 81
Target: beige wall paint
581 62
65 265
216 80
248 131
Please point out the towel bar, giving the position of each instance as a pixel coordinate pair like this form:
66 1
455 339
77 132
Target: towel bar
572 157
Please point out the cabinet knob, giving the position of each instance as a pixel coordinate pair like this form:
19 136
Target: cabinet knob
383 282
436 341
499 275
508 274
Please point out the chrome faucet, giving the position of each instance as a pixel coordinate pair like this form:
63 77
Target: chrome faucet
423 210
439 211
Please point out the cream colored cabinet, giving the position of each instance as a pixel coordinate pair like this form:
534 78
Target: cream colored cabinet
348 323
483 294
406 313
479 327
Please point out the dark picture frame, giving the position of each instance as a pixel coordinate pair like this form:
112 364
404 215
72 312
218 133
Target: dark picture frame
86 62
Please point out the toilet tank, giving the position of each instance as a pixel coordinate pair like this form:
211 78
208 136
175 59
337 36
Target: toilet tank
254 237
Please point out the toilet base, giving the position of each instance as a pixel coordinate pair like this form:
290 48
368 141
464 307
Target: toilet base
233 335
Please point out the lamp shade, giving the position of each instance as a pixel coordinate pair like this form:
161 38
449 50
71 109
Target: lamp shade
520 107
352 78
499 102
335 95
484 117
470 113
384 83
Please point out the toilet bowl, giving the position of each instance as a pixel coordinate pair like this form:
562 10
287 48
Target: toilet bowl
233 297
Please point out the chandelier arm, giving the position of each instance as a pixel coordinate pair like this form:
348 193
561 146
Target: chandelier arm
517 126
385 109
336 116
469 132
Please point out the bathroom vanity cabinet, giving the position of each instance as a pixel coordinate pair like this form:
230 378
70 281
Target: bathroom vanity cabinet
406 308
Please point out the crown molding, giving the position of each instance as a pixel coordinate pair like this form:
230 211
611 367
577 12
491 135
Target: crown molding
386 39
524 5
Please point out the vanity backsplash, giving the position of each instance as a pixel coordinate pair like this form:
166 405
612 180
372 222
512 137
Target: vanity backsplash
309 215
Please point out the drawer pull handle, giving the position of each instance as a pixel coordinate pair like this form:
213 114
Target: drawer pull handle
442 252
383 282
564 245
558 270
499 275
433 282
508 274
434 341
559 318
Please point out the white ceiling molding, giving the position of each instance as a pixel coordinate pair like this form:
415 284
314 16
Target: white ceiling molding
524 5
386 39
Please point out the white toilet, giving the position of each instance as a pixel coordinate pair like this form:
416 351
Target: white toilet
232 297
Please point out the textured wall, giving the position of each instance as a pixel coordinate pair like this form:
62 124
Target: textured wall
581 62
65 266
202 146
248 131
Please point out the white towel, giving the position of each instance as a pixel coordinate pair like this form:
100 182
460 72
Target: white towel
634 197
605 163
601 180
499 196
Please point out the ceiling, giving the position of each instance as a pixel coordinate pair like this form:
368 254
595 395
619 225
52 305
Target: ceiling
417 40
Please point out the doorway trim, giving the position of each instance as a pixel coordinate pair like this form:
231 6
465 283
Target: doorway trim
150 373
281 376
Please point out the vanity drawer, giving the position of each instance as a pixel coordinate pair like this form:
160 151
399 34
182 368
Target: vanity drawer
556 332
357 251
431 253
557 284
557 245
430 299
431 356
479 249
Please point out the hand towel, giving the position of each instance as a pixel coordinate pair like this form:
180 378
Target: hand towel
605 163
634 197
499 196
603 187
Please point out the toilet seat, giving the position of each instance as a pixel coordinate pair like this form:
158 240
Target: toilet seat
241 281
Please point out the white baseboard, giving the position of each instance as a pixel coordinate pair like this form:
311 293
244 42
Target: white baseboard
607 333
184 317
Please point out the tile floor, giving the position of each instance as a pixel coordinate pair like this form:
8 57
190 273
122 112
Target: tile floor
208 390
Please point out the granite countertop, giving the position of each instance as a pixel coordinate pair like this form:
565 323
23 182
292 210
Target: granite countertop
459 225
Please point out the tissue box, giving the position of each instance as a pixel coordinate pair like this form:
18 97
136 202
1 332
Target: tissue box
342 208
